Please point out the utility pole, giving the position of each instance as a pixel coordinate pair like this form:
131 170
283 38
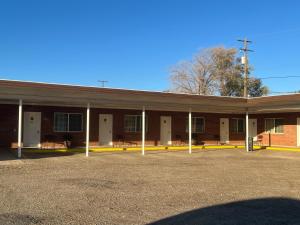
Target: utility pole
246 68
245 62
103 82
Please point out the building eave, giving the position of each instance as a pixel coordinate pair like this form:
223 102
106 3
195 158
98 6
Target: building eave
37 93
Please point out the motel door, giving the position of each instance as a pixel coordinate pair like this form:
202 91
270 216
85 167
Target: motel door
105 129
165 130
224 130
253 129
32 129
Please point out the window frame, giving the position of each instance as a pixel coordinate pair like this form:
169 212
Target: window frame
236 131
194 118
68 123
135 130
273 130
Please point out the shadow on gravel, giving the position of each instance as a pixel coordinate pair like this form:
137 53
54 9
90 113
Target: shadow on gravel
19 219
6 155
35 155
265 211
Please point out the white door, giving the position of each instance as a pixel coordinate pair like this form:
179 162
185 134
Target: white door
298 131
224 130
32 129
253 129
165 130
105 129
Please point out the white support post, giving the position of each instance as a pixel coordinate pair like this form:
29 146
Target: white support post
143 131
20 128
247 131
190 131
87 130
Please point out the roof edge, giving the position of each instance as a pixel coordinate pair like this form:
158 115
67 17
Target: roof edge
118 89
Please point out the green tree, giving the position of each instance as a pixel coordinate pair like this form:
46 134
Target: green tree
234 86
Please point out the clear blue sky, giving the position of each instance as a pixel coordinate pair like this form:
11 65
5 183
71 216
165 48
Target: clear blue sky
133 43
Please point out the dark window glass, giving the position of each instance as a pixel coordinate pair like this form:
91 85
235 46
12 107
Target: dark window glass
197 125
278 125
75 122
237 125
67 122
61 122
133 123
274 125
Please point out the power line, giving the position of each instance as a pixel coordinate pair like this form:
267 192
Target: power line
279 77
284 92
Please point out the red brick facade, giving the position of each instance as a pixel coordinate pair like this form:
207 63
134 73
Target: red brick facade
211 135
289 135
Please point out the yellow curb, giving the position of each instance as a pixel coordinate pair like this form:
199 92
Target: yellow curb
106 150
283 149
149 148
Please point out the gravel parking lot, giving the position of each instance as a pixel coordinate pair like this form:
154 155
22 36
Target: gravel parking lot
207 187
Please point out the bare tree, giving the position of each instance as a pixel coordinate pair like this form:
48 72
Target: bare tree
214 71
196 76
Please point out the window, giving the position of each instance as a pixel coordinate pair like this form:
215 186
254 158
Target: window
67 122
274 126
238 125
133 123
197 125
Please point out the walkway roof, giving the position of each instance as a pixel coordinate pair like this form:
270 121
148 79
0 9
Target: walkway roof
34 93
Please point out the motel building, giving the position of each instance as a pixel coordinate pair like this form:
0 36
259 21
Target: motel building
50 116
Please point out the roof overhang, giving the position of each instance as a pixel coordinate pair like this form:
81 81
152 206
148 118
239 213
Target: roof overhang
33 93
78 96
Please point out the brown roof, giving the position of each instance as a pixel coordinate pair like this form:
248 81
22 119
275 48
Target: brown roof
46 93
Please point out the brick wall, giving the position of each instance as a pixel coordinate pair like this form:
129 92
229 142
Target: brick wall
289 136
9 123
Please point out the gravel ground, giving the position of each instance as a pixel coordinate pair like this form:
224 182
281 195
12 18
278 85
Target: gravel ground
207 187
